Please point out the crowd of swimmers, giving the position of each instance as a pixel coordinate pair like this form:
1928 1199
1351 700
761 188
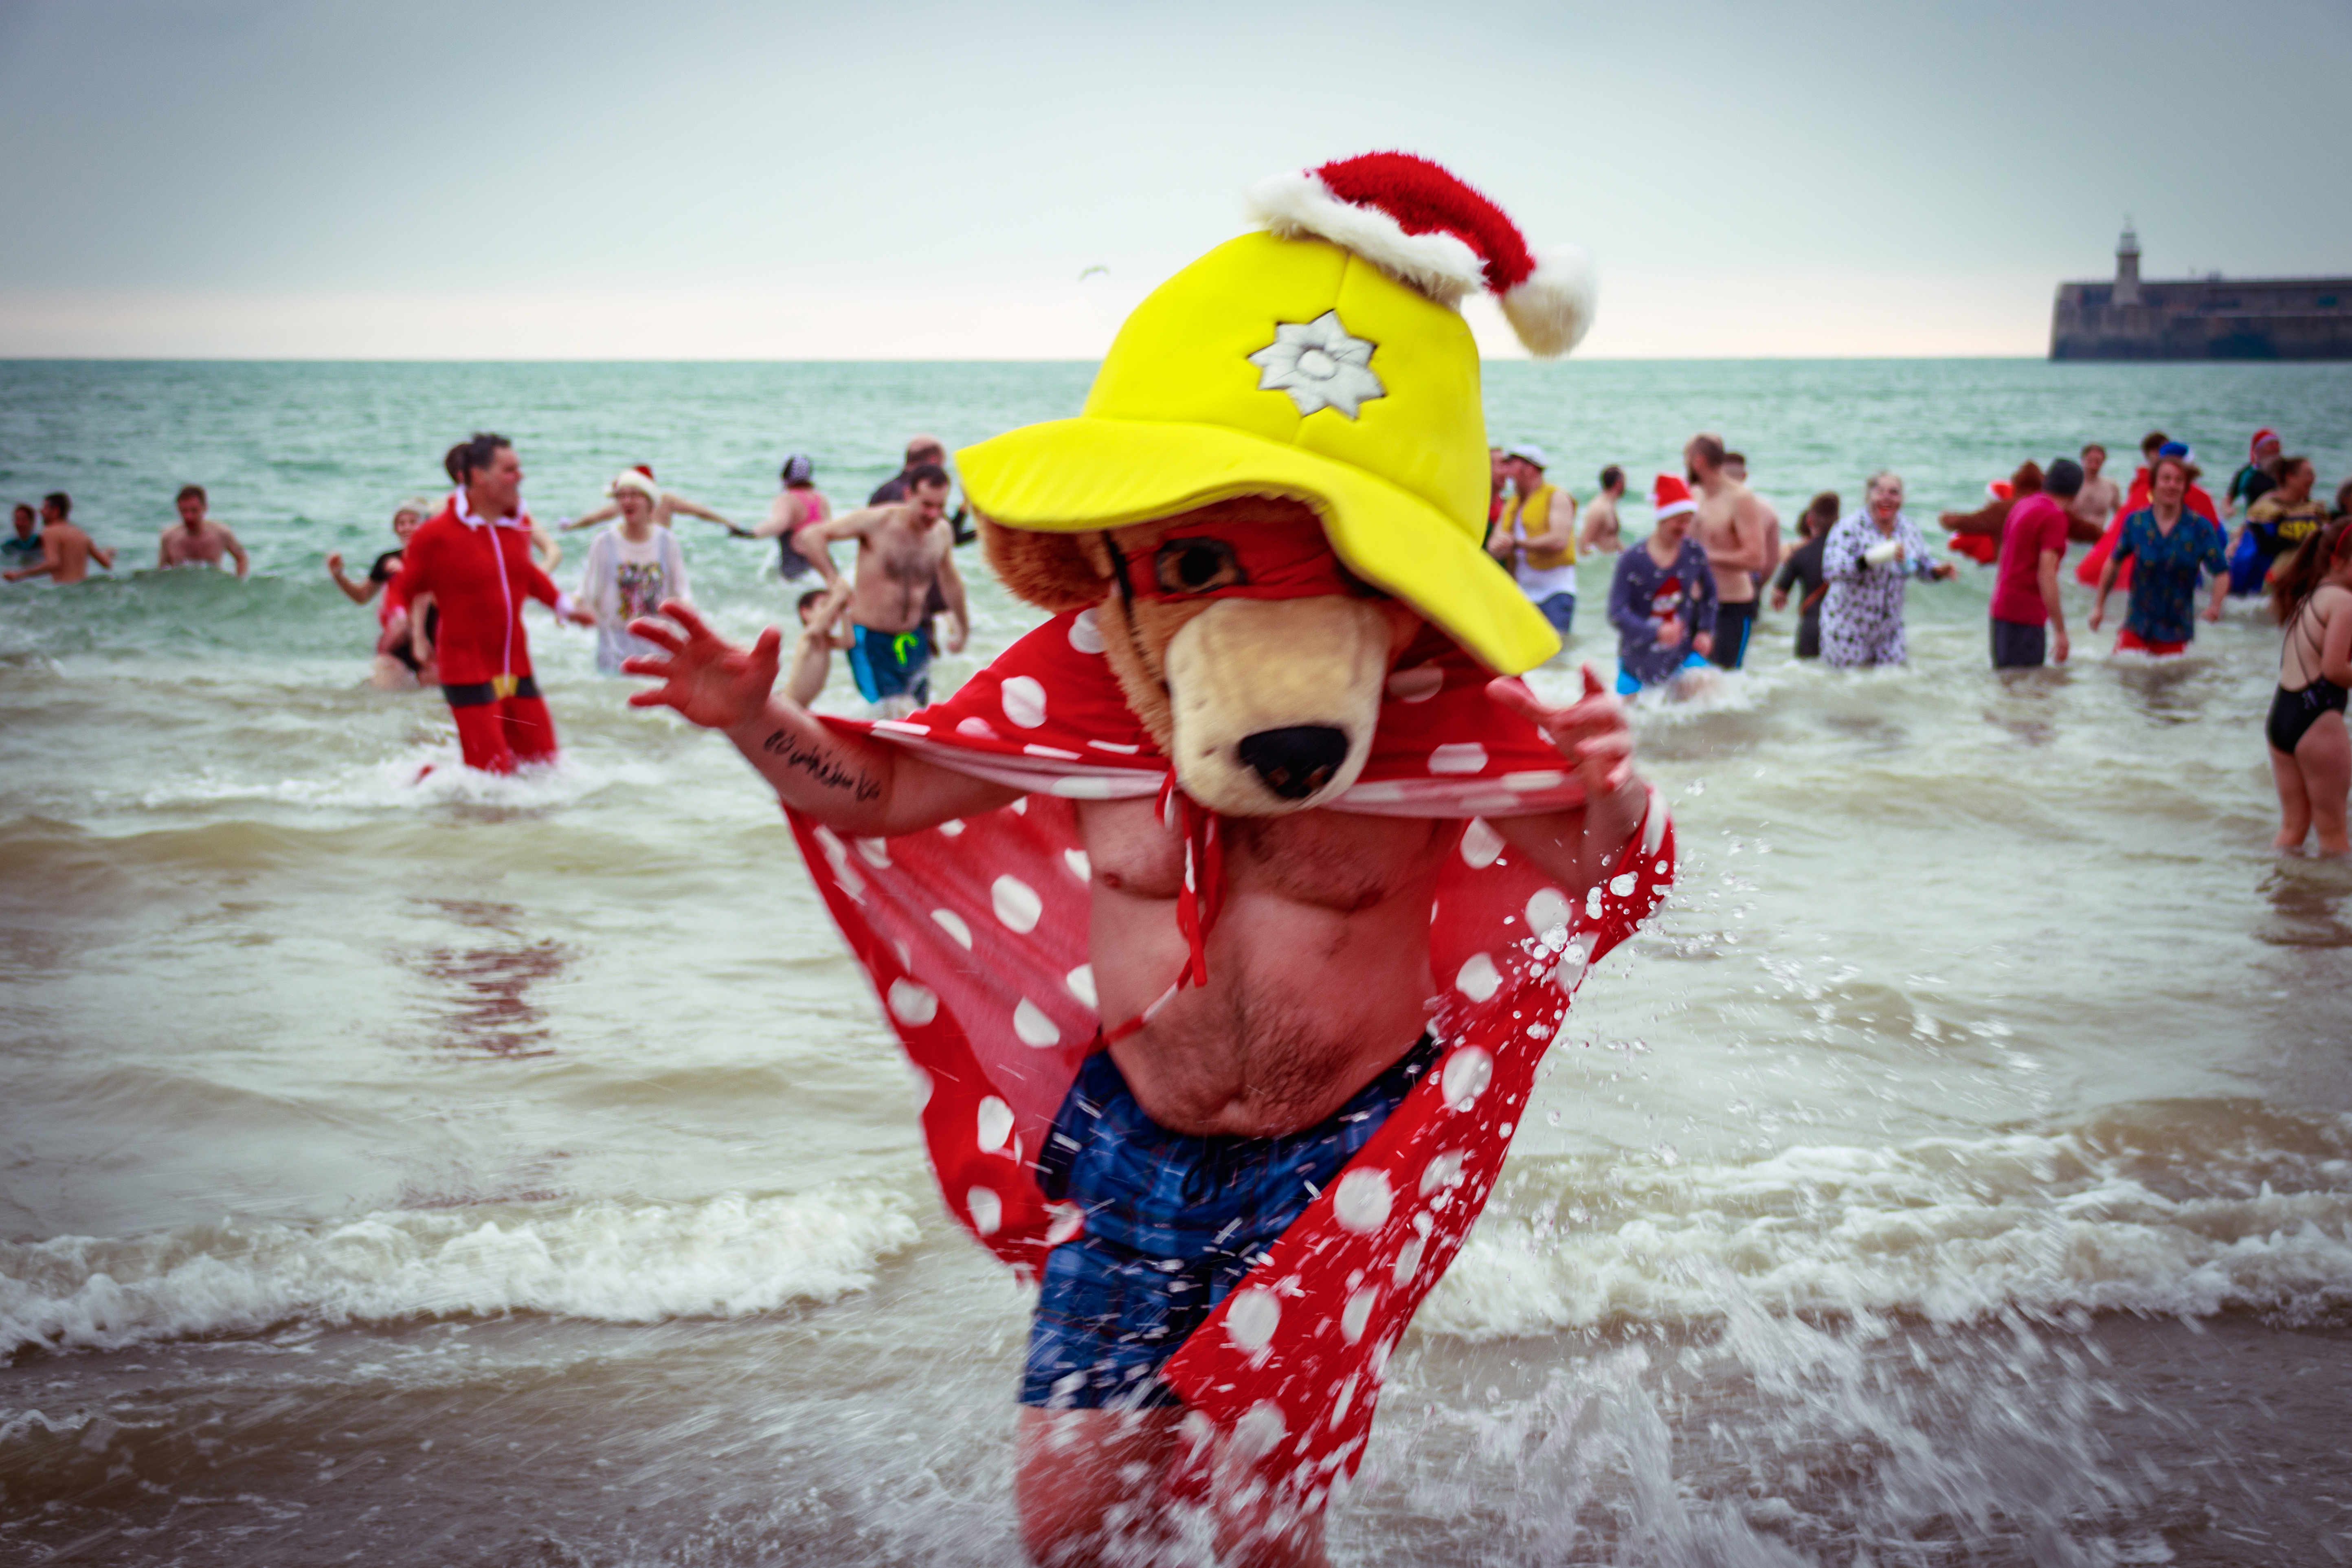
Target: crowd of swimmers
1682 603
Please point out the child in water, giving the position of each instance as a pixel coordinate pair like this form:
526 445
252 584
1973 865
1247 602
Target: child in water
396 666
821 611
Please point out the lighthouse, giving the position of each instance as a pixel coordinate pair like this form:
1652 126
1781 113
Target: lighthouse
2127 267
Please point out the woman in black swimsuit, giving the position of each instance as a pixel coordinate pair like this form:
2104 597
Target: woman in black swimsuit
2311 751
1802 570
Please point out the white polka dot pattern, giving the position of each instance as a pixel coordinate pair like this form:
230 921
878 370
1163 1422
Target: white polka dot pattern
1361 1201
955 926
1251 1321
1481 845
1018 907
1033 1028
1548 913
1478 978
1466 1073
986 1208
1023 702
995 1124
913 1003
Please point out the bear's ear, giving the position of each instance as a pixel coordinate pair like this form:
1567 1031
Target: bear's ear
1055 572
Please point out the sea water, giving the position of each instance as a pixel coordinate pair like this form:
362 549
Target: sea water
519 1171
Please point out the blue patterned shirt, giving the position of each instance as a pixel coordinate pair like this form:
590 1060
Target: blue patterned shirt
2163 583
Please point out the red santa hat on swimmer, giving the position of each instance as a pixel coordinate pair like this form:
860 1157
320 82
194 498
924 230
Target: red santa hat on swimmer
639 478
1669 496
1418 221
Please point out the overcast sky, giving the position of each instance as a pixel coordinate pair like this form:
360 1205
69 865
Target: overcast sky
291 178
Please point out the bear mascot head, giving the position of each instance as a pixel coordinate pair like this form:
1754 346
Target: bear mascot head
1280 476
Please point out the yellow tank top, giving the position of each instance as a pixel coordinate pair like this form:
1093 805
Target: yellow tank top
1540 506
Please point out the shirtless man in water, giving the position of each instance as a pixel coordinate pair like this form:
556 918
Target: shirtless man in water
1735 464
1319 968
66 551
1732 527
1601 533
2088 513
903 549
196 539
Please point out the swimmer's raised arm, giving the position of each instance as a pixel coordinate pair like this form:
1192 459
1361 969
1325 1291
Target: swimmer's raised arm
605 513
357 593
677 503
850 782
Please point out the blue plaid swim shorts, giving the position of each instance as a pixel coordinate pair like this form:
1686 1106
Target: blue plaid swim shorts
1173 1222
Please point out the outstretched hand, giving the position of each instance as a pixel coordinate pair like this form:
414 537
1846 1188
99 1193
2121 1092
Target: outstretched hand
710 680
1591 733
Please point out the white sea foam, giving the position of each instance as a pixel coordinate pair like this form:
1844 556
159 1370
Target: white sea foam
1950 1230
613 1262
424 774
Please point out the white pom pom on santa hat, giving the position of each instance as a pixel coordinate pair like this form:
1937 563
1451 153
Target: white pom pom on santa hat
1413 219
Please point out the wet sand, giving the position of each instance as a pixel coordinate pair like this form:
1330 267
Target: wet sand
2115 1439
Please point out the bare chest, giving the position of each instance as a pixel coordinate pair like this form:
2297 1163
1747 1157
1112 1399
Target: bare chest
1329 859
905 554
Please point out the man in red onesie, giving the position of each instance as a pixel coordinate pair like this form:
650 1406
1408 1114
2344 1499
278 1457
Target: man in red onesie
475 558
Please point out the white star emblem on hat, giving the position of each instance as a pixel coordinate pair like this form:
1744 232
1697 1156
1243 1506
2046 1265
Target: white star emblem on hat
1319 364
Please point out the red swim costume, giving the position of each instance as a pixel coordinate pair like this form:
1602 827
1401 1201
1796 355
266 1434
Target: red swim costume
480 572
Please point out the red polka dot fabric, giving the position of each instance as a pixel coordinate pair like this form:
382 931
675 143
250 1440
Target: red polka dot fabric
974 934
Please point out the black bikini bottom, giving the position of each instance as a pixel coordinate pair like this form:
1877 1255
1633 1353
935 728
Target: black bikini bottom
2293 712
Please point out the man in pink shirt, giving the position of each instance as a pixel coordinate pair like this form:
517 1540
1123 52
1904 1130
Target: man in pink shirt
2026 590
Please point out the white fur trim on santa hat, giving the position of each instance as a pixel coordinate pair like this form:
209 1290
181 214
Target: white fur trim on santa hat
630 479
1552 309
1440 265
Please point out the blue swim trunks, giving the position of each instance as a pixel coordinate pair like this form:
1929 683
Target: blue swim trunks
892 664
1173 1222
1629 686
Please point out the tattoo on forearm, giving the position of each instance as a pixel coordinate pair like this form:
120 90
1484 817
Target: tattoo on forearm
825 769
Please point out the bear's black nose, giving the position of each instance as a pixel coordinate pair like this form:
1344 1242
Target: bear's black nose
1297 760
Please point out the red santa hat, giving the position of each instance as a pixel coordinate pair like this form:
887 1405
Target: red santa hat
1669 496
1419 223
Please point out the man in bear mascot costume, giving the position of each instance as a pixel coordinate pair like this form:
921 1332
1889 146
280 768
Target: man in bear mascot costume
1228 913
